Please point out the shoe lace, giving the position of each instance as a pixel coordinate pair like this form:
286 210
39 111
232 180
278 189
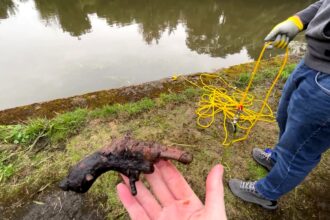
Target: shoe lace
265 155
248 186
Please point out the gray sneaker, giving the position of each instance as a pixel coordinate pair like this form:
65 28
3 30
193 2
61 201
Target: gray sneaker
262 158
247 192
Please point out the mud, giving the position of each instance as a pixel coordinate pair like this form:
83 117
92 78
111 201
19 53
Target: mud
54 205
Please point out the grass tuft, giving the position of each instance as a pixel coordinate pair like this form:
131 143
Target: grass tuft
56 130
22 134
256 171
7 170
106 111
66 124
171 97
288 70
242 80
140 106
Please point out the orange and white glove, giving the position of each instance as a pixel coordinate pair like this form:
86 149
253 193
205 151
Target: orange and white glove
284 32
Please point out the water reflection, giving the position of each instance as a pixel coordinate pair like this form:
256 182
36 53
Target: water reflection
213 27
6 7
71 14
70 47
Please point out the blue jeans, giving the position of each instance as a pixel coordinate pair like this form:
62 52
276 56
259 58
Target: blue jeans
304 120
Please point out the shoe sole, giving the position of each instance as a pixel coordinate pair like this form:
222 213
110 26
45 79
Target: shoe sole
249 201
262 206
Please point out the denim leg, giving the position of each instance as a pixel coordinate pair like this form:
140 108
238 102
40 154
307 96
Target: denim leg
305 138
282 111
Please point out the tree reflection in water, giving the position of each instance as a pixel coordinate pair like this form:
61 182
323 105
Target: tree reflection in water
213 27
6 7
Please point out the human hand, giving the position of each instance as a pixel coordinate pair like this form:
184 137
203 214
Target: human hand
176 199
285 31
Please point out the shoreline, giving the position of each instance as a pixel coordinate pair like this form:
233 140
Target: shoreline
133 93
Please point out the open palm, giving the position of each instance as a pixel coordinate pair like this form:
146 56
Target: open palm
172 197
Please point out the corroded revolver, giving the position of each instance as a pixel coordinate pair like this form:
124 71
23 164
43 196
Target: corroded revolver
125 155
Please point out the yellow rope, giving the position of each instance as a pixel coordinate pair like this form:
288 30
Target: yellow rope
234 105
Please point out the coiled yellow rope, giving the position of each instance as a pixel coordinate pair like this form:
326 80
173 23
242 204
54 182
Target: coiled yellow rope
234 106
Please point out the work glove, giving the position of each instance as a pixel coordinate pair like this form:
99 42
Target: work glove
285 31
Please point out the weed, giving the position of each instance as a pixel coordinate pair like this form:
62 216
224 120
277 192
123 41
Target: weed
66 124
269 73
57 129
138 107
192 92
243 80
11 133
288 70
22 134
106 111
171 97
6 169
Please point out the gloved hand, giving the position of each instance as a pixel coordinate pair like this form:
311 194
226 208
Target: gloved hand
285 31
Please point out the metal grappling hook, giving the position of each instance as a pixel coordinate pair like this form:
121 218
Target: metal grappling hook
236 118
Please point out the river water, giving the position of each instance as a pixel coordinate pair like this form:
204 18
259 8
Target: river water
58 48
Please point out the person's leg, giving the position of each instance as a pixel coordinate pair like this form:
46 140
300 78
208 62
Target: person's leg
282 110
306 136
289 87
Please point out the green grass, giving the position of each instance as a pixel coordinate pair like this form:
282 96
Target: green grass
242 80
138 107
171 97
129 108
256 171
56 130
288 70
6 169
265 74
106 111
64 125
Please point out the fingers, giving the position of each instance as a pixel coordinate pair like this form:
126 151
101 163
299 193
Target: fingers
134 209
287 40
145 199
277 40
159 188
214 200
281 41
175 181
272 35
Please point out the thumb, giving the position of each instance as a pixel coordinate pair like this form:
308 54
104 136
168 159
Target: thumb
272 35
214 201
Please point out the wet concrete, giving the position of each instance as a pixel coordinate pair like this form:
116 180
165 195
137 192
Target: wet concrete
54 205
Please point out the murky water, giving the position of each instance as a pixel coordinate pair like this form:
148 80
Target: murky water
58 48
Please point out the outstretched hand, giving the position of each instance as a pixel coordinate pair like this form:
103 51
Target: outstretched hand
172 197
